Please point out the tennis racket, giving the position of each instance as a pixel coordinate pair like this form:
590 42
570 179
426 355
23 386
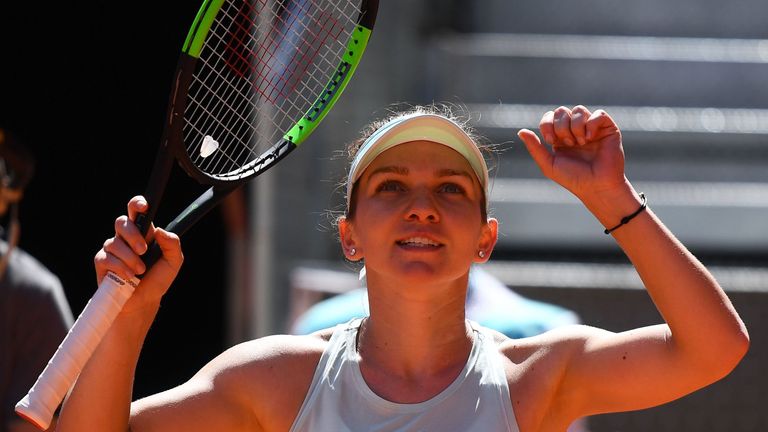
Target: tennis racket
254 79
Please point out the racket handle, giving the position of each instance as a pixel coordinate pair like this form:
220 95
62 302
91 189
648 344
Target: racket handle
45 396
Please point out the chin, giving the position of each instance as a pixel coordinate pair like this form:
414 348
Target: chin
424 273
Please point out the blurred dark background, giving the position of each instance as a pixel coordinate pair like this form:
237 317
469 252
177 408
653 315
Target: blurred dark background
86 87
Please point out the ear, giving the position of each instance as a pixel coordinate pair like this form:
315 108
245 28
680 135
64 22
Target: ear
488 236
349 245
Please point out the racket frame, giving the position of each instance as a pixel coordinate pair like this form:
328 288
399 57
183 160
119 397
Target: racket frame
44 397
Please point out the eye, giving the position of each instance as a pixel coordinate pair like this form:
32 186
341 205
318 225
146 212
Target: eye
390 186
451 188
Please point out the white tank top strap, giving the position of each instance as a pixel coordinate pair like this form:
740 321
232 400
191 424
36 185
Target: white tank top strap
339 399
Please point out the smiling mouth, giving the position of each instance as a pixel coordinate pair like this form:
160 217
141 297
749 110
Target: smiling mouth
419 243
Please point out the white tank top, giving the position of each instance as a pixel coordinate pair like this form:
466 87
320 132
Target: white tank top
339 399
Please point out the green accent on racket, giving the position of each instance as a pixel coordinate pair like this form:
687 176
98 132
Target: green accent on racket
333 90
199 29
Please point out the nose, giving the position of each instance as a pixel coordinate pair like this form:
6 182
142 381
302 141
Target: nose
422 208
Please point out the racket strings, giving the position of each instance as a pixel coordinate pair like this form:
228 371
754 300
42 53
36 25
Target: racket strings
273 56
289 22
262 68
306 101
301 53
227 104
289 71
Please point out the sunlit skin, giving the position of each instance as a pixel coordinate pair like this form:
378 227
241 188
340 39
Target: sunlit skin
418 227
418 219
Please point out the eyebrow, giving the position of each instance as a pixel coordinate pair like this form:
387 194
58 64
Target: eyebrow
389 169
444 172
448 172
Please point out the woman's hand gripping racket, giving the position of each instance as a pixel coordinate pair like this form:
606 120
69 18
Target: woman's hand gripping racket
254 80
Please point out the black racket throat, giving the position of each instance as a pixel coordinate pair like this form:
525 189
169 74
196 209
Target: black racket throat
171 147
186 219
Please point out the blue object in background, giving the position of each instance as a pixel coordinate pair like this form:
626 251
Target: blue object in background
490 303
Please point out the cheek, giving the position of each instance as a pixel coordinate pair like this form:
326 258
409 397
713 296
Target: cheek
369 224
374 212
467 212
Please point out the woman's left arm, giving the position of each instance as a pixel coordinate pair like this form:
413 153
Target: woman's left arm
704 337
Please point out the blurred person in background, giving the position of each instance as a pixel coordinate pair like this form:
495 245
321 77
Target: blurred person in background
490 303
34 313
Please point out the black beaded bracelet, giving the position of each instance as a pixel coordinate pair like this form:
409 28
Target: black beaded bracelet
626 219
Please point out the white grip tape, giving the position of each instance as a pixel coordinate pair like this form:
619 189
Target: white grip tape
45 396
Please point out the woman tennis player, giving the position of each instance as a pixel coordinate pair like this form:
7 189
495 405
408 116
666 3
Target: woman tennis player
417 201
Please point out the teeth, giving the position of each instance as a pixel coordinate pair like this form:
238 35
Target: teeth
419 241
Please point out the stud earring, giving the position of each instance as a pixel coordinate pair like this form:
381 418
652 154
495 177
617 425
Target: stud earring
481 254
352 252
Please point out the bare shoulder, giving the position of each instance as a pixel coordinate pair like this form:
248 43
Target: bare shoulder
535 367
271 375
266 359
255 385
275 347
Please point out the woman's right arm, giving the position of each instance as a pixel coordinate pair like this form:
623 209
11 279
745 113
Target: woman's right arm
256 385
100 399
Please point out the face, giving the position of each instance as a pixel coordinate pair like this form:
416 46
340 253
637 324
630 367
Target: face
417 216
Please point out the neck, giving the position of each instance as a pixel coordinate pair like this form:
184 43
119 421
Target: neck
417 329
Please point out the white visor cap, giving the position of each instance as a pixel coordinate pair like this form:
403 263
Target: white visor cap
418 127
